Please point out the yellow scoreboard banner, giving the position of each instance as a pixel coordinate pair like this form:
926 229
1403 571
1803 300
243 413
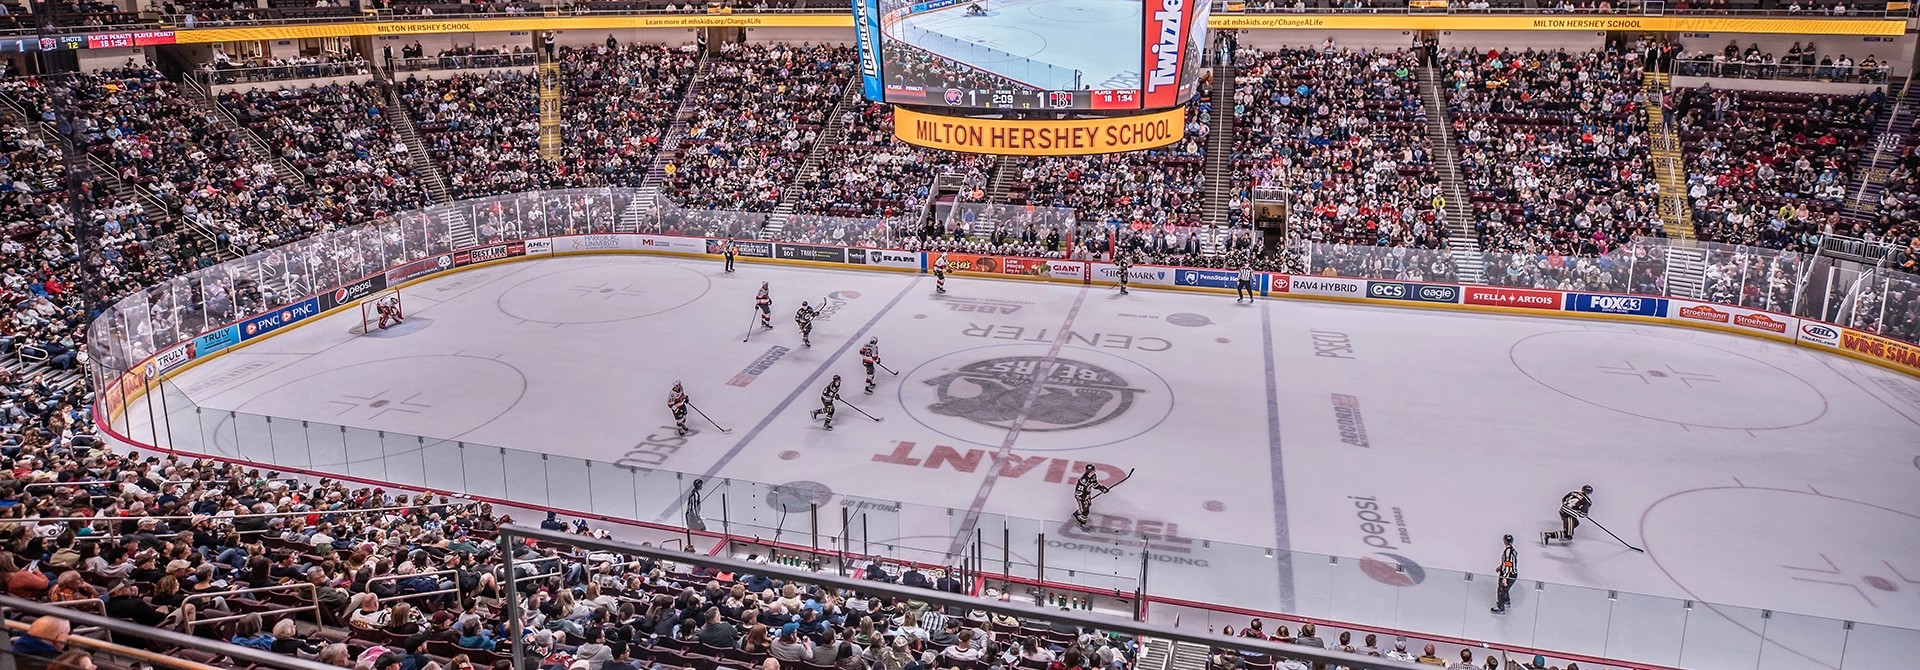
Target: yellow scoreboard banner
1076 137
202 35
1796 26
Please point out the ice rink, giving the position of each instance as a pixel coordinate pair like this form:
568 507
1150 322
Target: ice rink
1755 474
1100 38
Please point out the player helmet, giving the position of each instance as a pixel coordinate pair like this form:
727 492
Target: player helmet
1089 467
1508 538
836 377
1586 489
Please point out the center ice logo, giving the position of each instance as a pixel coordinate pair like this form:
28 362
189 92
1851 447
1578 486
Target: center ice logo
1071 395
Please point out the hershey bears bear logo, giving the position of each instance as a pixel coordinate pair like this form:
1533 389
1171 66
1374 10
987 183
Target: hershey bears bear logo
1071 394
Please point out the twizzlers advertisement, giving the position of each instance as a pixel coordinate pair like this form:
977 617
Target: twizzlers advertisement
1168 29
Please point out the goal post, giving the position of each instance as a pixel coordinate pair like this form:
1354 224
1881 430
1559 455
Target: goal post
370 310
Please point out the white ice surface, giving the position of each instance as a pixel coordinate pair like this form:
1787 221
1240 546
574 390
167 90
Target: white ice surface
1756 475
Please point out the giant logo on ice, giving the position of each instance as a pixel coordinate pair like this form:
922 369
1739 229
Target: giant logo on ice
1059 399
1065 394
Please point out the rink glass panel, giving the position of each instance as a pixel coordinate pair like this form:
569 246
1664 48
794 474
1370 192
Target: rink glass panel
1612 624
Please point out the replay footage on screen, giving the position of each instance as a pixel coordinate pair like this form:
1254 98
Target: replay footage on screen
1032 54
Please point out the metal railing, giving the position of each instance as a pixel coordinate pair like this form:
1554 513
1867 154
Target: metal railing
248 74
465 62
165 639
834 583
1740 69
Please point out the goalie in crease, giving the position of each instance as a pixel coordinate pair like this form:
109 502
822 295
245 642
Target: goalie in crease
388 307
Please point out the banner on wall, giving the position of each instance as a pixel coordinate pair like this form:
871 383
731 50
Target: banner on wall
1074 137
489 253
1319 285
214 341
1893 351
1139 274
741 248
280 318
1046 269
1633 305
583 243
419 268
1823 334
1206 278
350 293
1738 317
886 258
1494 296
682 245
540 246
810 252
1395 290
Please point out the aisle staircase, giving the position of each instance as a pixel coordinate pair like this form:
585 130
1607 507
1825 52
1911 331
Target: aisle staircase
1889 140
1005 172
829 137
1669 160
669 150
1188 656
1218 208
256 148
1686 272
438 189
1446 161
551 99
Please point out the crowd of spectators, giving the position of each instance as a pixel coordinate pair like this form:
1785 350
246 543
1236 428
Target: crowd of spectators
1553 149
867 173
621 102
338 137
1344 134
1161 188
1770 168
756 114
483 129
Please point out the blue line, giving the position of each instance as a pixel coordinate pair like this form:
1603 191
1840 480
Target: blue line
797 390
1283 554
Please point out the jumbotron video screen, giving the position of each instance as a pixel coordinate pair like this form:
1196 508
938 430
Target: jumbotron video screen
1032 54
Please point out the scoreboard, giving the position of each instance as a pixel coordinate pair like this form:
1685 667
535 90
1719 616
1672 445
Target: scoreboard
1014 98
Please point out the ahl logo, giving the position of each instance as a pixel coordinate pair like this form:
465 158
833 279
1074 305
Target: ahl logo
1401 572
1820 332
1071 394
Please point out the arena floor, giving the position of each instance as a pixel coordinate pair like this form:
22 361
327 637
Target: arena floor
1755 474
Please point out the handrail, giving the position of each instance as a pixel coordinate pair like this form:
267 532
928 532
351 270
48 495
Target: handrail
1018 609
261 515
258 589
242 655
389 578
261 613
121 650
82 601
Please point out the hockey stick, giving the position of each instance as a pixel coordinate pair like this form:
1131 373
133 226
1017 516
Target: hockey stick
1123 480
755 316
703 415
883 366
1596 524
862 412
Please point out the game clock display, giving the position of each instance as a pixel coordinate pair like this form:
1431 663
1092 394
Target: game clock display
1031 54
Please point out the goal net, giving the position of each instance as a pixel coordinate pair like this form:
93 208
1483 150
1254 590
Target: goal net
372 308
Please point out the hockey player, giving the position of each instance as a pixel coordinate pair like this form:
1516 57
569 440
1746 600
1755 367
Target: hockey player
1573 508
870 357
729 251
1508 573
1243 284
1122 266
677 403
765 304
827 396
1083 492
804 317
940 273
389 309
